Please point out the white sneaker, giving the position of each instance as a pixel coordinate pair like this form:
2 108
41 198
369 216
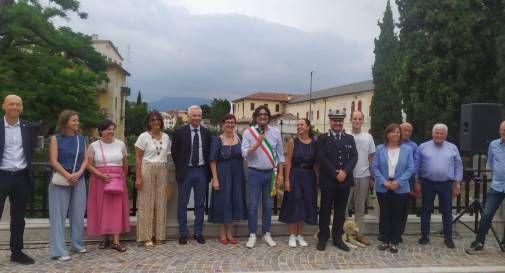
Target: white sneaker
82 250
292 240
301 241
252 241
63 258
268 239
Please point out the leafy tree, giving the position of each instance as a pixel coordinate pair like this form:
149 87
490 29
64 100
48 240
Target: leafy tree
448 56
135 118
50 68
205 110
386 101
218 108
178 122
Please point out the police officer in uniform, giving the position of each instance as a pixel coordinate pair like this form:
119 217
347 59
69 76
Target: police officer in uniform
337 156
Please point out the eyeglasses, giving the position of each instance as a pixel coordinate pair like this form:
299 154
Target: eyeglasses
262 114
154 119
229 122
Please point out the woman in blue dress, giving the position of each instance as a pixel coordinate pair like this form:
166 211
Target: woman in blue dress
299 201
228 181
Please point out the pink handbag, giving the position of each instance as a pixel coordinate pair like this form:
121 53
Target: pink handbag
115 185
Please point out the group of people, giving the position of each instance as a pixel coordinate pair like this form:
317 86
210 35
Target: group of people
342 166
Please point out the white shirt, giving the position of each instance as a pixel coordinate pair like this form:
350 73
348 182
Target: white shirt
13 158
154 150
113 152
393 155
365 146
200 146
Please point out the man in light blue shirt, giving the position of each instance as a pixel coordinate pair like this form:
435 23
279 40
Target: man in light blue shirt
496 193
263 151
440 173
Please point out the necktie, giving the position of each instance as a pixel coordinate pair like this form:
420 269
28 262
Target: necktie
337 137
195 149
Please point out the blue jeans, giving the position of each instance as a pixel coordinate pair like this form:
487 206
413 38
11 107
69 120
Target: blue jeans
429 190
493 201
259 186
196 178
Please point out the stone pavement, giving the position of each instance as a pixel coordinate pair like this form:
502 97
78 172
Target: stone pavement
214 257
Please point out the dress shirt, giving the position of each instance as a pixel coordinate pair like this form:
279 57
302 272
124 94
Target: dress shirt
415 153
201 161
258 159
440 162
13 157
496 162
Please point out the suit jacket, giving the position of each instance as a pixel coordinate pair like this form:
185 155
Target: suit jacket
181 150
334 155
29 138
403 171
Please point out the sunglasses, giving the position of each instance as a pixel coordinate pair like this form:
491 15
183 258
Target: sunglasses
155 119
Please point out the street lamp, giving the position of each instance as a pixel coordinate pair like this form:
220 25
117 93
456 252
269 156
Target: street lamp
310 97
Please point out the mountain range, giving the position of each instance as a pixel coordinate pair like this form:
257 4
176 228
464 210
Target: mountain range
176 103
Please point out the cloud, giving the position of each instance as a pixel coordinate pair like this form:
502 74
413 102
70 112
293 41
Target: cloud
173 52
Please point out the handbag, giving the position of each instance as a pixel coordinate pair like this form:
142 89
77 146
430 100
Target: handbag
115 185
59 179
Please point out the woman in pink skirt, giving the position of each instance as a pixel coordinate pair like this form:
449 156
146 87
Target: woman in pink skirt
108 194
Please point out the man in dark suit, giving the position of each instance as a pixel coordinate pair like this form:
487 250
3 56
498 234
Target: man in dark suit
337 156
17 142
190 151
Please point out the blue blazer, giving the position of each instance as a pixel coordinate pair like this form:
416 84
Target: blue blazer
29 140
404 168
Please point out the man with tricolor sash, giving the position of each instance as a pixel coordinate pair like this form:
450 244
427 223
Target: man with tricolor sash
263 151
337 156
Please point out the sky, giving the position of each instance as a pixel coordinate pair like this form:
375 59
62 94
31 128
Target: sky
231 48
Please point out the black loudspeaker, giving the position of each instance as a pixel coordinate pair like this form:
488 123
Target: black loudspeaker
479 126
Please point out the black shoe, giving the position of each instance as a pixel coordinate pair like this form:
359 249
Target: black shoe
423 240
449 243
183 239
383 246
341 245
199 238
21 258
321 245
401 240
475 248
393 248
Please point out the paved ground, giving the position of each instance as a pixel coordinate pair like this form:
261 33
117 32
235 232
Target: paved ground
214 257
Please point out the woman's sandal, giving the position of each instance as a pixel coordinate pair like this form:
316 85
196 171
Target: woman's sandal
104 244
118 247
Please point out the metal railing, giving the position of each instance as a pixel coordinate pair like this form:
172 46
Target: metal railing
37 206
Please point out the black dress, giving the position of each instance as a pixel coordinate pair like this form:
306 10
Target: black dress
228 203
299 204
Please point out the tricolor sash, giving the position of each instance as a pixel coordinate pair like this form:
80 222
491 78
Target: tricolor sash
269 152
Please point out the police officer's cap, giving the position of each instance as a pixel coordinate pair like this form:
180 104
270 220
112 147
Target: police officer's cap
336 115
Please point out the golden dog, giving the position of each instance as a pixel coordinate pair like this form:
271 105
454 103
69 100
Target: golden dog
351 230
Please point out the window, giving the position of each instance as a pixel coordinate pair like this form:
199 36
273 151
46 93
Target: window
276 108
307 115
115 103
266 105
252 106
297 115
370 110
233 108
359 105
352 107
317 115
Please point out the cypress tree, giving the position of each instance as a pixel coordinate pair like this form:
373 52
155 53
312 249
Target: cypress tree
386 102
